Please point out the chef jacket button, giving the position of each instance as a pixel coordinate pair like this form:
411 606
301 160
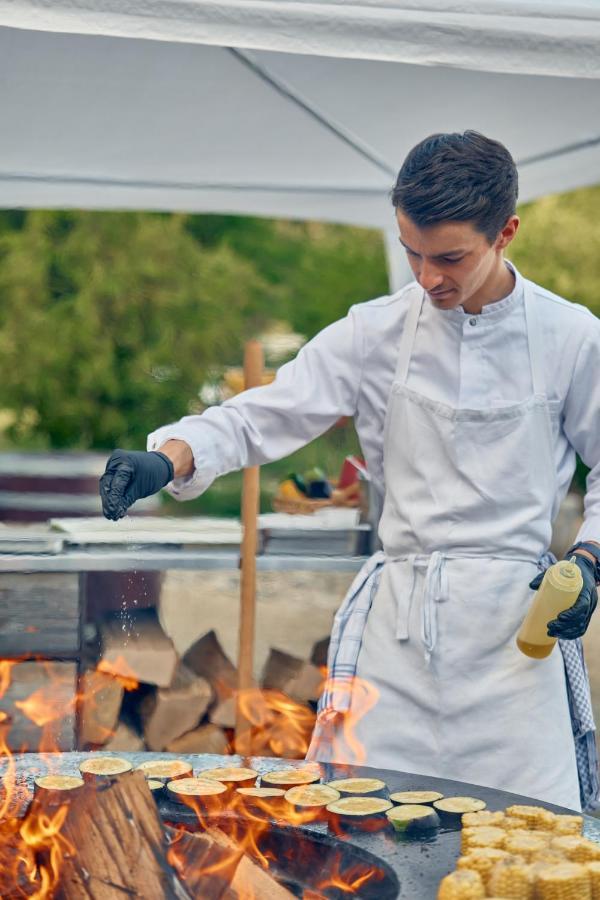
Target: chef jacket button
473 321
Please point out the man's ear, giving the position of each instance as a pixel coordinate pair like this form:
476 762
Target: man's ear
508 232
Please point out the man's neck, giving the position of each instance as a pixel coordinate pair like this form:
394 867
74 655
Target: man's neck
496 287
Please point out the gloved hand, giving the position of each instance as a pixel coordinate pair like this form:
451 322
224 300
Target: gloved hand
573 623
131 475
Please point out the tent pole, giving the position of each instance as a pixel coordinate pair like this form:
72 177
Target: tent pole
253 369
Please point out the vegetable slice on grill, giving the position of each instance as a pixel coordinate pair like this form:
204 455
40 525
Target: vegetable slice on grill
207 792
415 797
359 812
454 807
165 769
305 796
360 786
290 777
409 819
103 767
57 783
232 776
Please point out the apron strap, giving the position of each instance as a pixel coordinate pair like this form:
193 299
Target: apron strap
415 301
534 338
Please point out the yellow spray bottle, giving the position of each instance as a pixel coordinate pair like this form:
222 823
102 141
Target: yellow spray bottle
558 591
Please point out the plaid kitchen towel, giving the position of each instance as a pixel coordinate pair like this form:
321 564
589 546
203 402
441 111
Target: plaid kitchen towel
344 648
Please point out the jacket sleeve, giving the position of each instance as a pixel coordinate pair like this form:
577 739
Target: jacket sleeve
582 425
267 423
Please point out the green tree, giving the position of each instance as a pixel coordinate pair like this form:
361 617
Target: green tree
109 323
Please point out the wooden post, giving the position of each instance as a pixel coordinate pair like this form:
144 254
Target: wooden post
253 369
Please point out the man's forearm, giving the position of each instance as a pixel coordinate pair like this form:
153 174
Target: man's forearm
180 455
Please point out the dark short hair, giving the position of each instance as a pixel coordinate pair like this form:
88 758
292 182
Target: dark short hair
458 177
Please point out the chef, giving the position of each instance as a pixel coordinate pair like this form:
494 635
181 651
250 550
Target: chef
472 390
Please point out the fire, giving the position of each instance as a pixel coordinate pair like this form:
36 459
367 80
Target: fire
279 726
349 881
121 671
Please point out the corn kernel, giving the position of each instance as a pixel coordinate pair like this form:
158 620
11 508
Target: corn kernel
512 880
567 881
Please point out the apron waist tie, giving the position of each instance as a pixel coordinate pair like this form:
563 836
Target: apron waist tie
435 591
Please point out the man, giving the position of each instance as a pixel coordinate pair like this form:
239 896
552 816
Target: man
472 390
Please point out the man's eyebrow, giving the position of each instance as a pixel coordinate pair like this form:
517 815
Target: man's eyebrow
438 255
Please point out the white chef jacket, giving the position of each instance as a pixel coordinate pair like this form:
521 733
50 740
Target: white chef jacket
462 360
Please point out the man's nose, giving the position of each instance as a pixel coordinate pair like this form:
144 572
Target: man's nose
429 276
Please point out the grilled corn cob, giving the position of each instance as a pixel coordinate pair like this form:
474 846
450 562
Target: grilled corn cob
568 824
512 880
464 885
482 860
483 836
534 816
525 844
483 817
567 881
594 873
576 848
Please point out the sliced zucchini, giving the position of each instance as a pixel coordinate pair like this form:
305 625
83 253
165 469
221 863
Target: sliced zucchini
103 767
305 796
415 797
364 813
232 776
290 777
457 806
362 786
165 769
261 793
413 819
156 787
207 791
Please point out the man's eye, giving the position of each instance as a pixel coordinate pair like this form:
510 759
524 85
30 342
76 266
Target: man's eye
447 260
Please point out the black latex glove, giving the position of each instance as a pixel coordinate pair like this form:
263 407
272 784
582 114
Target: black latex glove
572 623
131 475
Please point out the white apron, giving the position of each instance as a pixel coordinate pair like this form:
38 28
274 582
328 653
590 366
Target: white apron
468 509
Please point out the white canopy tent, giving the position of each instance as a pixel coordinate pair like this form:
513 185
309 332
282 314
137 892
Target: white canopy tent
283 107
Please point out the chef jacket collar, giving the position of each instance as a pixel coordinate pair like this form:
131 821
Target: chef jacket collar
492 312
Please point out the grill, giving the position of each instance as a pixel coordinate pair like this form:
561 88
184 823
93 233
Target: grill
405 869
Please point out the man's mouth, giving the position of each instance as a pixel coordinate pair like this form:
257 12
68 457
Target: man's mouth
440 295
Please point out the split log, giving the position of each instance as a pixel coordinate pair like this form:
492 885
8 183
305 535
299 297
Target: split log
205 739
168 713
318 656
298 679
100 701
207 658
191 855
250 880
223 714
145 653
125 739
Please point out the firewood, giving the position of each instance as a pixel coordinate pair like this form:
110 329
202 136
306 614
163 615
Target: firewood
192 854
318 656
250 880
207 658
145 653
125 740
205 739
298 679
223 714
168 713
101 696
119 841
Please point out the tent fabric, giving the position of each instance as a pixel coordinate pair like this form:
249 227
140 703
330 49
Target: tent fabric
543 37
169 105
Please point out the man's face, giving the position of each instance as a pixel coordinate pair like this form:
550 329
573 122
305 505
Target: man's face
452 261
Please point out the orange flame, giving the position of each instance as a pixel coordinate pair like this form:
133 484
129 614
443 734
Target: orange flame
120 669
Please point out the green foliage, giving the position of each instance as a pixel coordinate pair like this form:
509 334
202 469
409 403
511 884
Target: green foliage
557 245
109 323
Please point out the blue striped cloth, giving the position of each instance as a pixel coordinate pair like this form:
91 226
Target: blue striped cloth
346 638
